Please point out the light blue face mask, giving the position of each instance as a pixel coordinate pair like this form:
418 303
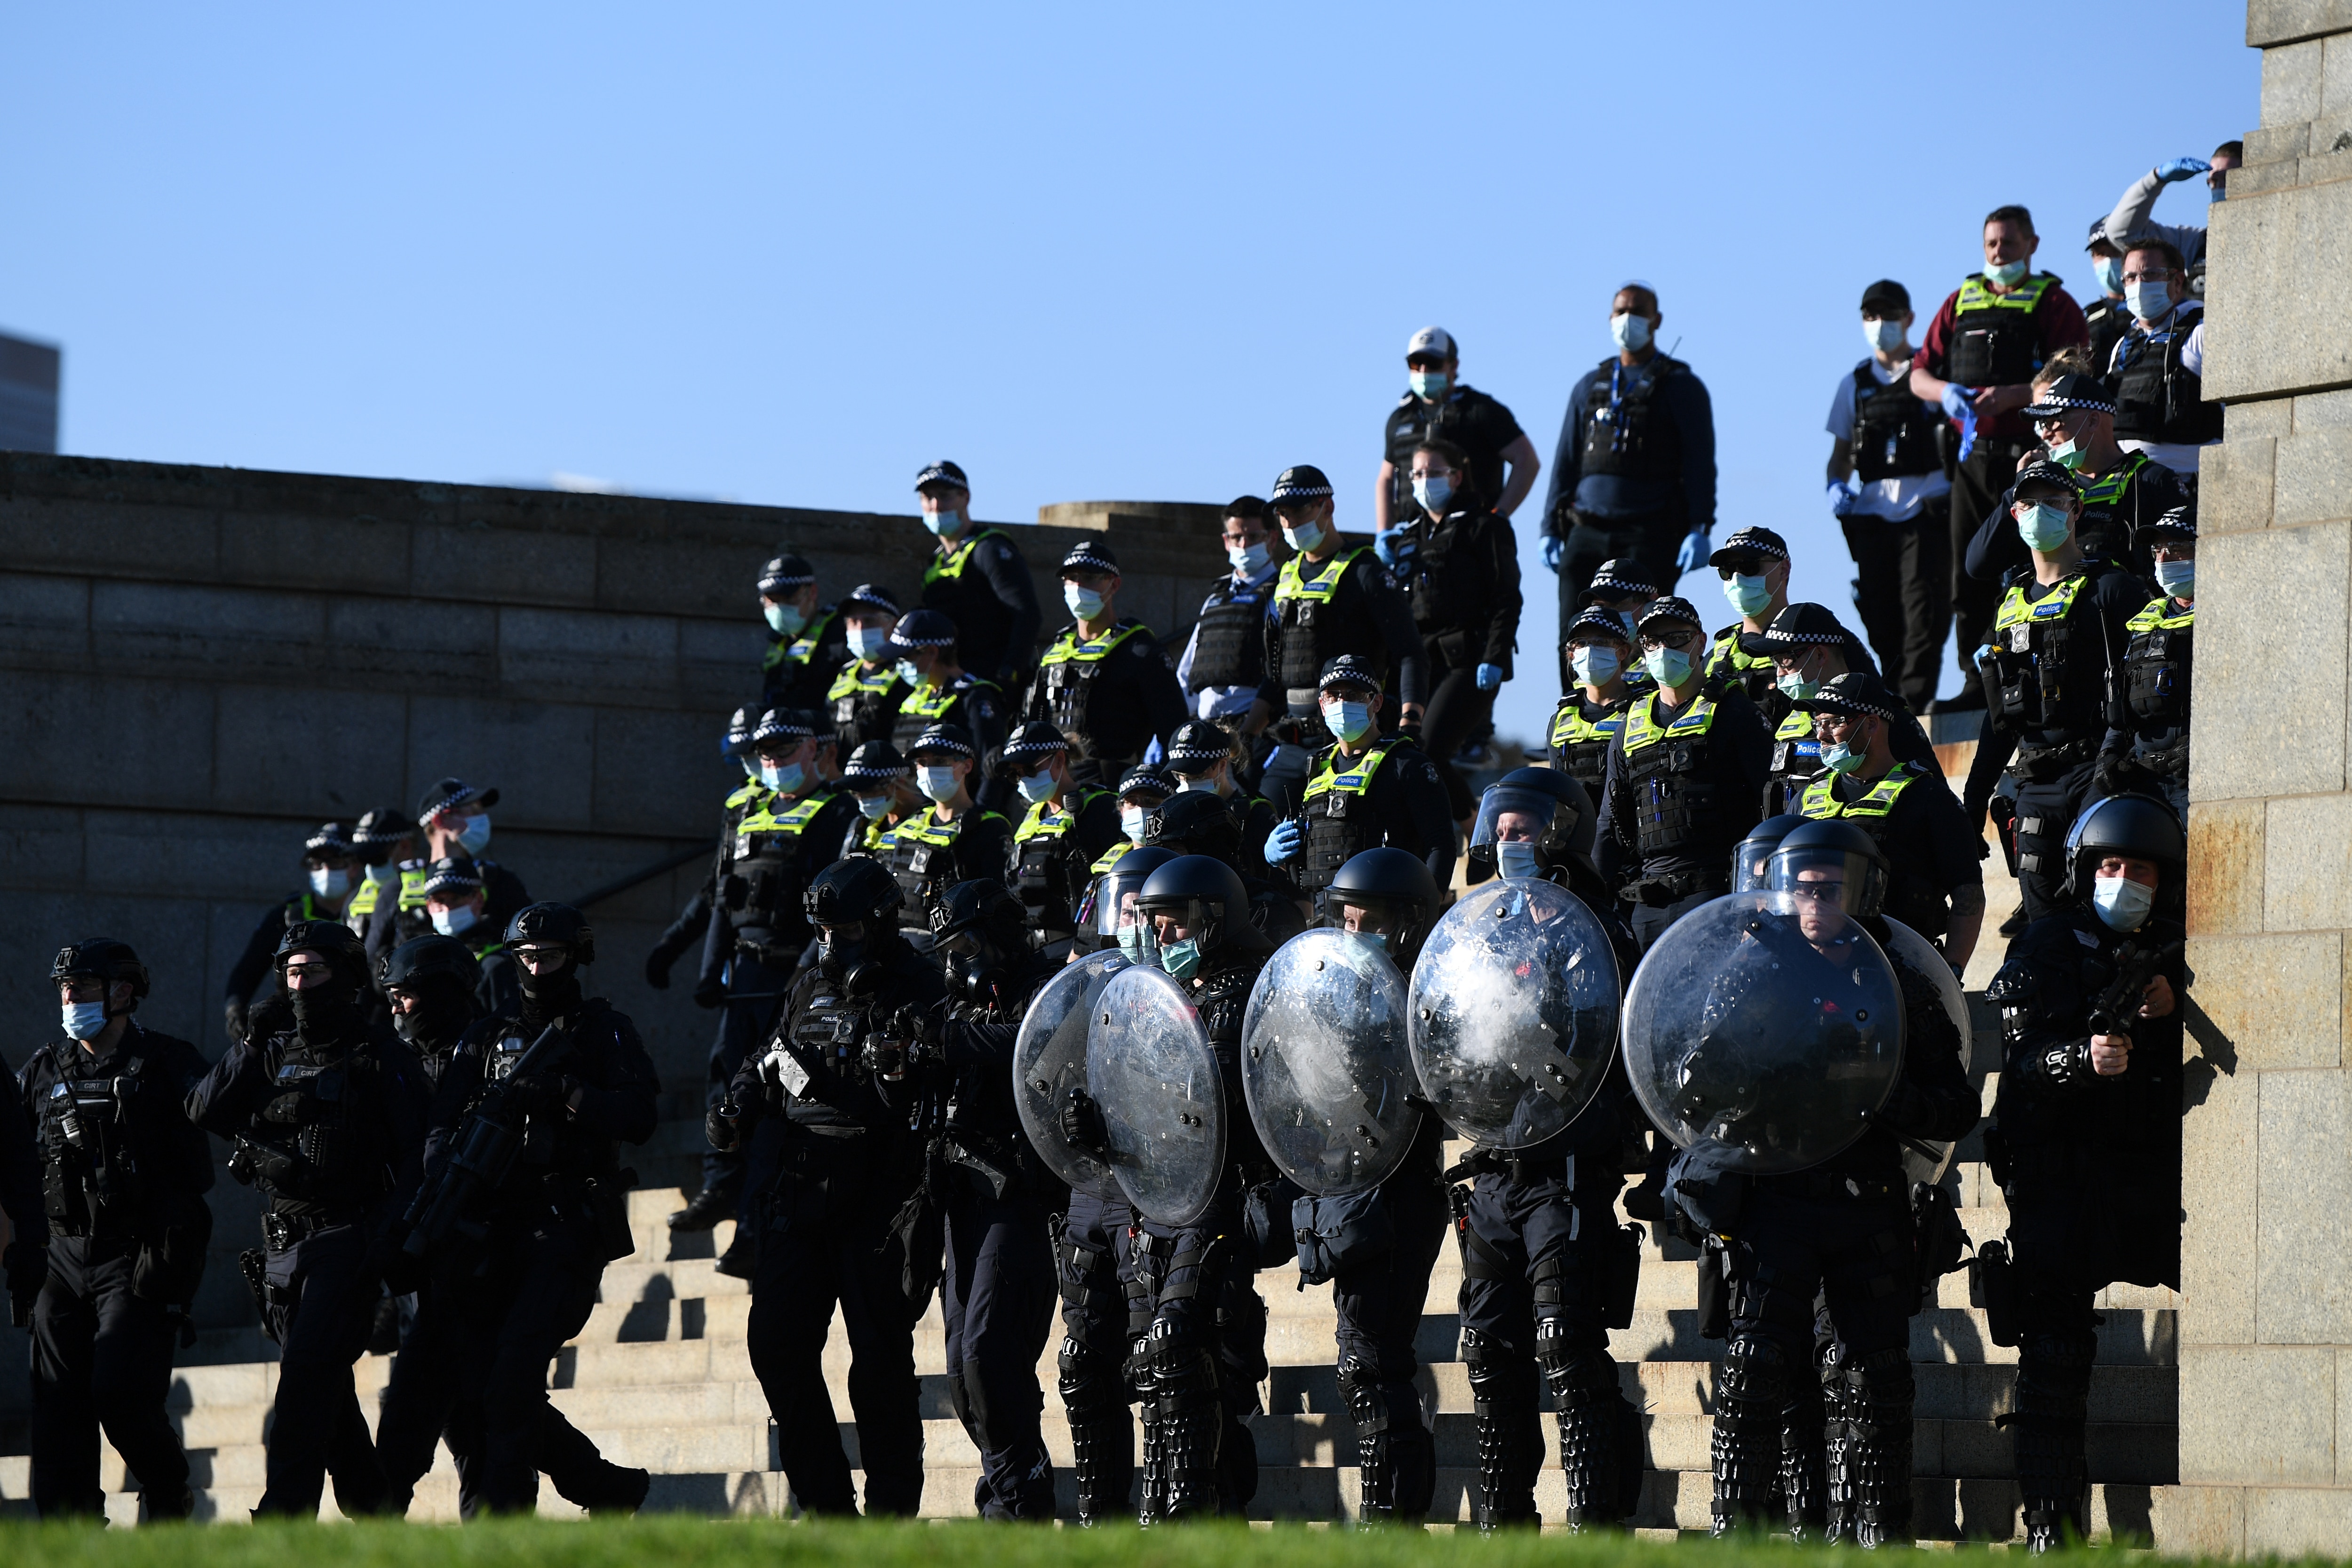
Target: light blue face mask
1747 595
1084 602
784 780
1306 538
1429 384
1516 860
939 783
330 881
385 875
946 524
874 807
2004 273
2122 904
1882 336
1667 665
867 642
1131 822
1839 758
1432 493
2109 272
906 672
1037 786
1630 332
1249 559
83 1020
1181 960
1378 938
785 620
1594 665
2043 527
1795 687
1349 721
2148 302
1131 942
475 836
2068 454
2178 578
453 921
1627 618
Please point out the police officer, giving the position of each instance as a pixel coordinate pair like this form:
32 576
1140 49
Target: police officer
1065 828
1622 587
2121 492
1223 662
122 1176
327 862
1634 474
2109 316
1328 602
833 1079
328 1119
953 839
693 923
2146 746
1754 567
1460 562
1440 406
1203 758
1682 780
1600 653
866 688
2058 632
996 1295
2085 1140
1977 362
456 818
883 786
454 901
382 842
1104 680
1933 883
1808 647
1368 791
939 691
1896 520
2158 369
1195 822
807 642
977 579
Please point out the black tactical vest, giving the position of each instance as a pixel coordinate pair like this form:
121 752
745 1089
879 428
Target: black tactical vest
1668 771
1995 340
317 1139
1229 645
2157 398
90 1181
1893 437
2155 680
1636 440
860 702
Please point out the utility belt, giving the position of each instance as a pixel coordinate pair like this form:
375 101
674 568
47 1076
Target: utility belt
283 1230
1304 702
1822 1184
2039 764
1503 1163
1661 891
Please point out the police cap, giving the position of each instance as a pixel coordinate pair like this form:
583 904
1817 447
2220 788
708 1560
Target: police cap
786 725
1090 555
1625 578
1795 630
1595 622
942 740
1200 742
453 873
1856 692
871 596
739 725
785 575
874 760
380 829
448 795
942 473
923 628
1667 607
2180 522
1035 739
1302 482
2042 471
1347 670
1146 778
330 841
1747 543
2068 393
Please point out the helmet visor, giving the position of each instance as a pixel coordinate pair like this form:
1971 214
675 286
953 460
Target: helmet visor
1508 814
1821 878
1750 864
1388 921
1115 917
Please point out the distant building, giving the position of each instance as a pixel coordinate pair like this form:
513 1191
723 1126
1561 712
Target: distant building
28 395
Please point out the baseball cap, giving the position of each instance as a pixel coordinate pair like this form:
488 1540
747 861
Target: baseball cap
1432 342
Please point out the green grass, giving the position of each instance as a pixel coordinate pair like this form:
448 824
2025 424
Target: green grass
674 1541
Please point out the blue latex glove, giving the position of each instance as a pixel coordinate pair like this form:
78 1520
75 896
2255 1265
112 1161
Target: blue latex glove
1967 431
1842 500
1490 675
1958 400
1283 843
2181 168
1393 547
1693 552
1551 552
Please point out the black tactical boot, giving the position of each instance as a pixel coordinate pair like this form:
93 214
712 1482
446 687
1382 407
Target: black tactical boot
709 1206
1585 1398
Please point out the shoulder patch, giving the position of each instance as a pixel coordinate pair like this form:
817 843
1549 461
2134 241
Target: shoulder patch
1384 577
1003 551
2086 939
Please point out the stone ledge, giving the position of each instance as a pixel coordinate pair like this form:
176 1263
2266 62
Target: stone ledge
2270 23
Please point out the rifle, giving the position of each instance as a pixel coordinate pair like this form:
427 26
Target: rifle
2138 961
487 1146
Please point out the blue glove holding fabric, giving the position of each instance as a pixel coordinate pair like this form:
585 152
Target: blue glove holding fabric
1958 400
1551 552
1490 676
1693 552
1393 547
2181 168
1283 843
1842 500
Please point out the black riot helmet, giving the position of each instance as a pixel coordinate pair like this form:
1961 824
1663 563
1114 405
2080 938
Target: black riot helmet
1537 806
101 958
553 925
980 929
846 891
1204 896
428 960
336 942
1831 851
1748 861
2139 826
1115 917
1392 896
1195 822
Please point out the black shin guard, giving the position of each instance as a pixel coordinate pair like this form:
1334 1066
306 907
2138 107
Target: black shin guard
1870 1471
1746 1449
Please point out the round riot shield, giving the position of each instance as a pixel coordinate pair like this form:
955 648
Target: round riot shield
1514 1013
1768 1025
1049 1059
1150 1066
1927 1162
1325 1064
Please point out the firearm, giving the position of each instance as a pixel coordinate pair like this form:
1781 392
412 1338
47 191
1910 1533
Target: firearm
486 1148
2142 957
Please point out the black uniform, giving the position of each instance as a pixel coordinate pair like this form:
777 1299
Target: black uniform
796 671
1903 571
1054 849
1680 788
243 991
843 1223
1463 576
1463 414
979 706
329 1119
1111 695
123 1174
2157 398
1347 604
2146 746
2110 321
1386 794
2046 679
2137 490
929 856
980 583
864 701
1911 815
1633 471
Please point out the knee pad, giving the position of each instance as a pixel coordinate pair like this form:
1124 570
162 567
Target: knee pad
1184 1368
1090 1379
1880 1390
1577 1376
1755 1382
1366 1402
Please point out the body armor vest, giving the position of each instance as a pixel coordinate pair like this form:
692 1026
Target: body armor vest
1229 638
2155 681
1339 810
1067 677
1309 635
1047 881
2108 319
1995 342
761 887
1754 673
1625 432
926 856
1910 898
927 705
949 568
2157 398
90 1180
314 1141
1448 594
2026 662
1579 746
860 700
2104 530
1666 771
1796 750
796 652
1893 435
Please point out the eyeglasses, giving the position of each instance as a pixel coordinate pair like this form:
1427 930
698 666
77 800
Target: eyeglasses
539 956
309 969
1669 640
1819 891
1748 566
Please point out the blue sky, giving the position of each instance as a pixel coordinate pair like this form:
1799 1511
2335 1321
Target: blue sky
788 253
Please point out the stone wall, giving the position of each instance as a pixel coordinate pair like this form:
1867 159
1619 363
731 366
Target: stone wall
2266 1325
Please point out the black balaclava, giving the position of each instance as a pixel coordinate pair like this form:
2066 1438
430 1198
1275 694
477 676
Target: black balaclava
444 1006
551 996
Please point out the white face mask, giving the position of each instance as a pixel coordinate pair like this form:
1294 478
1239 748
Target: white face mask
867 642
1594 665
1514 859
1883 336
1203 783
1303 538
1629 331
1131 822
939 783
2178 578
1249 559
1084 602
2122 904
1037 786
330 881
84 1020
451 922
2148 300
1351 721
874 807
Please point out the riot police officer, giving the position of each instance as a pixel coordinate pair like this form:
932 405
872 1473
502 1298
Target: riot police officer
996 1294
455 902
122 1176
327 862
978 581
1067 827
1460 563
1367 790
807 642
1104 681
1933 883
1204 757
867 688
1807 648
2057 632
839 1223
1195 822
328 1119
1329 602
940 691
952 839
1599 651
1682 780
2146 746
1754 566
2085 1140
1223 662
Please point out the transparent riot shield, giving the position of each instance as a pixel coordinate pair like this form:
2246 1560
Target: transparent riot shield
1325 1063
1927 1162
1049 1059
1150 1066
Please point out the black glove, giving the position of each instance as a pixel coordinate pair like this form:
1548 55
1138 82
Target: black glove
1082 1123
2115 774
541 1093
710 993
721 1125
657 964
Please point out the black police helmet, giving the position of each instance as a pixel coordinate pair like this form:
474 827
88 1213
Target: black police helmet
428 957
1570 834
2136 825
1394 881
1195 822
331 940
982 907
101 958
1206 896
850 890
1834 839
1747 859
559 923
